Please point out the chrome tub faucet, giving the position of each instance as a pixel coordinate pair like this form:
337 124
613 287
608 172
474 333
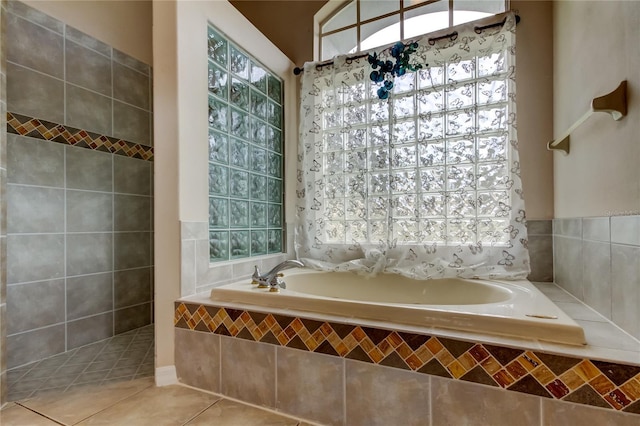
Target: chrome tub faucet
271 279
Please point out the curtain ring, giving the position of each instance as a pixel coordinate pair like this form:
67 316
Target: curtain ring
453 36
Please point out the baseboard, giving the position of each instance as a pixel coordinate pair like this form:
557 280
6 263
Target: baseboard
166 376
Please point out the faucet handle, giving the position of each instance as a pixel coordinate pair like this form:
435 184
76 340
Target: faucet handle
255 278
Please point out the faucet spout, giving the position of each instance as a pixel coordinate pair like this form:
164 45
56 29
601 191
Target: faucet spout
287 264
271 278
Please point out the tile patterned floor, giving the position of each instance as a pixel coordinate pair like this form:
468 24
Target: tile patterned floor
137 403
123 357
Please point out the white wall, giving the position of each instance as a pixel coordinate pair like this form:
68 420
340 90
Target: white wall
596 47
181 132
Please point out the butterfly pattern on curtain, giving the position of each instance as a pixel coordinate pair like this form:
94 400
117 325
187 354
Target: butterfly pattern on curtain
425 184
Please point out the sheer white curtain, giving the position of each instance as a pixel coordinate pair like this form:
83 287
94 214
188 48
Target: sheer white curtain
425 184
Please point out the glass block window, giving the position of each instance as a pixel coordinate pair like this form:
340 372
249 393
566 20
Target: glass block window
245 153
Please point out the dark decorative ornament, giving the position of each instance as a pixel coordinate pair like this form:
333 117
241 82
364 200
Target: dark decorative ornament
388 70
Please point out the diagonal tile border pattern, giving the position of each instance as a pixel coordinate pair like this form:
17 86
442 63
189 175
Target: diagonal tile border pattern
54 132
601 384
123 357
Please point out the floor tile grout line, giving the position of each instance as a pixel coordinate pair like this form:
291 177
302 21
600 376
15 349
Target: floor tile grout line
38 413
143 358
114 403
200 412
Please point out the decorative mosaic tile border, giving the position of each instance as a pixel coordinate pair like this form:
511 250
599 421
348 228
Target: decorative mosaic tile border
54 132
583 381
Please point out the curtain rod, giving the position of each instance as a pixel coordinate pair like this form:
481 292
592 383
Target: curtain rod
452 36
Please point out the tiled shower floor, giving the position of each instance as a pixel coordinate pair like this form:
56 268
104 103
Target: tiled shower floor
123 357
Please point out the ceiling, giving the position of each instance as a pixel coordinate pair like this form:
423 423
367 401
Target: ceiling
288 24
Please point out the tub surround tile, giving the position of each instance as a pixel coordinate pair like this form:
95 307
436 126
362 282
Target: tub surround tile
307 383
384 396
596 229
255 364
528 372
603 271
39 128
556 293
456 403
540 227
596 285
194 230
607 335
625 283
580 311
557 413
570 227
625 230
192 368
187 267
541 257
568 265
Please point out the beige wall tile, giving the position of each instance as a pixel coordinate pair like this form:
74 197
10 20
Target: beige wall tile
310 386
563 413
198 359
377 395
248 371
457 403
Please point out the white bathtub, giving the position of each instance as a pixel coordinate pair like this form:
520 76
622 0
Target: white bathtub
510 308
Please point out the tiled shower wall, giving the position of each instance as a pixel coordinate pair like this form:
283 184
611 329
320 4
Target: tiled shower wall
79 226
597 259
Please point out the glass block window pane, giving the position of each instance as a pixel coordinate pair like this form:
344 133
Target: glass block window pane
246 115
